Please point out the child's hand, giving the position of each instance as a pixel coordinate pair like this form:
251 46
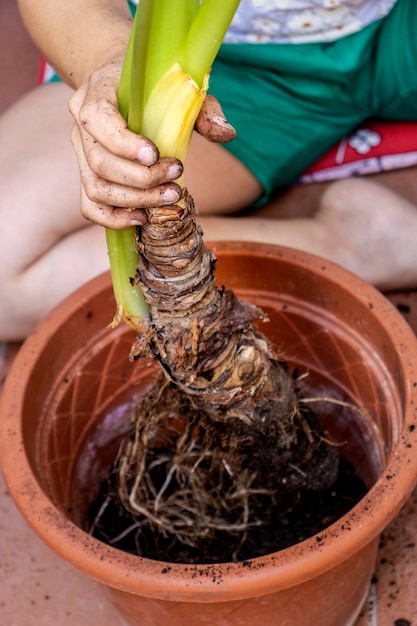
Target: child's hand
121 172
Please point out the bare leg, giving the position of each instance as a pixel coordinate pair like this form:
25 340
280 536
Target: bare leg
47 248
219 183
304 200
375 229
358 223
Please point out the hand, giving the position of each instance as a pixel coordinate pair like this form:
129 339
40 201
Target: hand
121 172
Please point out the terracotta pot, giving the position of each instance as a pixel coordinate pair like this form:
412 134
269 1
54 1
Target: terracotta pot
67 402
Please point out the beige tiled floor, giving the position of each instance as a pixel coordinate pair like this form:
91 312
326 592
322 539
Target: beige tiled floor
38 589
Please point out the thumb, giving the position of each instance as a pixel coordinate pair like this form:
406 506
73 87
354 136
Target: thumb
212 124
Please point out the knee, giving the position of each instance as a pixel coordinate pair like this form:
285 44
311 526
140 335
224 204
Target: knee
354 193
340 194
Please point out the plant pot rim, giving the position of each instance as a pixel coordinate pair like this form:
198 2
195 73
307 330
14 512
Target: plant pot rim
279 570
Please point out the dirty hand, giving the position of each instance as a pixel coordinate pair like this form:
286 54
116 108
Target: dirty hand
120 169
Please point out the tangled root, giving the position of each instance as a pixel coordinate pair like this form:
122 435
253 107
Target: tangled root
199 491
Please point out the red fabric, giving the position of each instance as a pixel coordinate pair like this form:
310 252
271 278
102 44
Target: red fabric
45 72
375 146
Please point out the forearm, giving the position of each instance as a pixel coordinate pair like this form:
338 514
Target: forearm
78 36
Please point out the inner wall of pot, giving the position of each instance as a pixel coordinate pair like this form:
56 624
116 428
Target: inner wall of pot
75 415
86 417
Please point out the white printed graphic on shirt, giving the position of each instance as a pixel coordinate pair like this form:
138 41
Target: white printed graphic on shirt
303 21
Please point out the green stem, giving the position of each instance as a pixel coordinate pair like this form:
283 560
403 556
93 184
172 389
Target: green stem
206 36
170 25
121 245
123 258
136 60
164 32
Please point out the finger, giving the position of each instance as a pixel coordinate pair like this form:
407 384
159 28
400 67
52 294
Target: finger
212 124
107 193
124 172
101 192
109 217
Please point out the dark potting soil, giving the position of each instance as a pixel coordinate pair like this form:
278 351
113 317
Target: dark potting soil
302 516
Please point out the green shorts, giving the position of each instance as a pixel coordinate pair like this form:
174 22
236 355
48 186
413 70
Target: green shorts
291 102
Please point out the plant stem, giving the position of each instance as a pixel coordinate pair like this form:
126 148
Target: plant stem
123 257
172 46
206 35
